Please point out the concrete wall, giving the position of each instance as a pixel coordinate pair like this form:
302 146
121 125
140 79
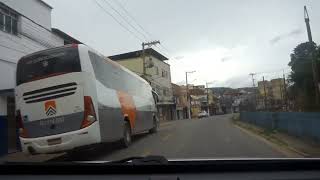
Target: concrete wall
133 64
33 9
31 37
300 124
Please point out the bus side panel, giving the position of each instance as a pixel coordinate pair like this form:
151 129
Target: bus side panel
144 114
110 115
111 125
146 120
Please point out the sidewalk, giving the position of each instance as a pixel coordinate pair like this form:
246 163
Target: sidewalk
22 157
304 147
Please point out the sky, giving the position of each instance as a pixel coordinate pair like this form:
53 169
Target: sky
222 41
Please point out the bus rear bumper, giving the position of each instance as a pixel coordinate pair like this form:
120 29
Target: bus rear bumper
61 142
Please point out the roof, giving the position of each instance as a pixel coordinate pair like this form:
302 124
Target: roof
135 54
65 36
46 4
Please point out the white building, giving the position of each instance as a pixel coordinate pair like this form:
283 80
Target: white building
25 27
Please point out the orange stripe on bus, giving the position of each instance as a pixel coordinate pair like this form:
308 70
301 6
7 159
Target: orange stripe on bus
128 107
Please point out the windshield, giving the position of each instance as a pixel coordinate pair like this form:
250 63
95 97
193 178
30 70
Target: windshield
105 80
48 63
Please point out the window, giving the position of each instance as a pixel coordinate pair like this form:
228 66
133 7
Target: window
157 70
163 74
1 21
8 20
57 61
158 90
165 91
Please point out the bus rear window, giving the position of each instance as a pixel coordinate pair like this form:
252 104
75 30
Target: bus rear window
48 63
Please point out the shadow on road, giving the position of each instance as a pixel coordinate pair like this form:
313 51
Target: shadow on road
96 152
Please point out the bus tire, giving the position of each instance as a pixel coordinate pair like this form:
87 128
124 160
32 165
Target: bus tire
155 126
126 140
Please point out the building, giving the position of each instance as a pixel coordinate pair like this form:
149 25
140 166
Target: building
25 27
271 94
212 105
180 96
198 98
67 39
157 74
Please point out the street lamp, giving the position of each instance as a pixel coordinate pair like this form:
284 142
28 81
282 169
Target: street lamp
188 98
208 110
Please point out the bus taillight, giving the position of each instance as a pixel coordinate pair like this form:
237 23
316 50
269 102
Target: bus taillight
22 131
89 112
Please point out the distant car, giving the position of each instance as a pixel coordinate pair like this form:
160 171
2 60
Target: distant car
203 114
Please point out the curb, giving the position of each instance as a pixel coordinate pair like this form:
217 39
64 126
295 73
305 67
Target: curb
285 150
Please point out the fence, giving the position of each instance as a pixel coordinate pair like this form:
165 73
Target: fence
305 125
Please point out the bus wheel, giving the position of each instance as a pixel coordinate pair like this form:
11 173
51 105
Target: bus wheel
155 126
126 140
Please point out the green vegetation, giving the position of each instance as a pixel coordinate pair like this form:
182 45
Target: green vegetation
301 91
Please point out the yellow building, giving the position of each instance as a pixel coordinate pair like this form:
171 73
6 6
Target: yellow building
271 93
157 74
277 88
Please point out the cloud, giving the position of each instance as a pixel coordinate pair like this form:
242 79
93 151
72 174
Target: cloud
280 37
179 57
226 58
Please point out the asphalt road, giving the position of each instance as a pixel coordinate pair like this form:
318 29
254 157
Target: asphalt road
213 137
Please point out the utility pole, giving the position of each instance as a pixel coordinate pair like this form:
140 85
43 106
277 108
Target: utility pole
208 109
149 44
314 63
285 91
265 93
252 76
188 98
253 86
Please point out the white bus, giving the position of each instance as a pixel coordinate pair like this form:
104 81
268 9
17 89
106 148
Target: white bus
71 96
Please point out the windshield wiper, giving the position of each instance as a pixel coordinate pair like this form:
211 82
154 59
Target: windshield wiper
141 160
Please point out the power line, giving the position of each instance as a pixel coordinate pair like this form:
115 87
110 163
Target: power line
114 18
140 26
273 71
132 18
125 19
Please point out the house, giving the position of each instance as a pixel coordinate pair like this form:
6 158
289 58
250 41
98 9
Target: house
271 94
157 73
25 27
198 99
180 96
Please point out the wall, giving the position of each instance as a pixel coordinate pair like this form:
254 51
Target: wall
30 38
277 88
300 124
133 64
33 9
3 126
157 79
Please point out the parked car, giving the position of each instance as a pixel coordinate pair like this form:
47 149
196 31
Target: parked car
203 114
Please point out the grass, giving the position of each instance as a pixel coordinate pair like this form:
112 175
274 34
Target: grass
267 134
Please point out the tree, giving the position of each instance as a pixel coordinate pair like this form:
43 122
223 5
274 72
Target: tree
303 90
